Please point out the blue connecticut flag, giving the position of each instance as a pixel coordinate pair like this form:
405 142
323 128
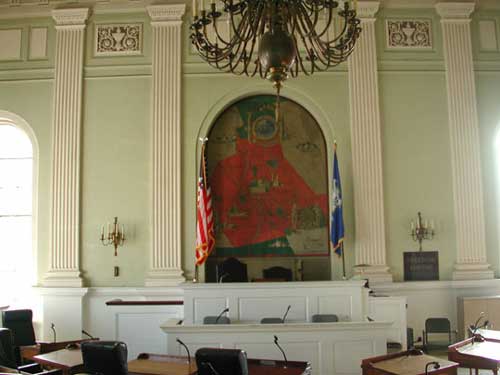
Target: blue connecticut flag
337 223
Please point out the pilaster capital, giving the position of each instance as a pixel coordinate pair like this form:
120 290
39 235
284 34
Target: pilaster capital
455 11
70 17
367 9
166 13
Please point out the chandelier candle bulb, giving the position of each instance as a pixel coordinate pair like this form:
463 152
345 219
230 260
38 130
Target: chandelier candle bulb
194 8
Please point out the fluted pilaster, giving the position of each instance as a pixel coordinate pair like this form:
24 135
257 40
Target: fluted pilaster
369 241
166 252
64 264
471 262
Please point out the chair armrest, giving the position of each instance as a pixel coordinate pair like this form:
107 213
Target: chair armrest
7 370
51 372
29 351
32 368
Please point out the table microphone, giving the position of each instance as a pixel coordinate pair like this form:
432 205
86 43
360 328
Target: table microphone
185 347
475 326
286 313
53 328
281 349
88 334
220 315
435 365
226 274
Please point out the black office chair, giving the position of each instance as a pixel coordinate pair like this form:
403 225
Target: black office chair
216 320
324 318
212 361
20 322
278 273
231 270
440 330
8 358
271 321
105 357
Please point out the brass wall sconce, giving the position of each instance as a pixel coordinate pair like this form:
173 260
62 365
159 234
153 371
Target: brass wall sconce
115 235
422 230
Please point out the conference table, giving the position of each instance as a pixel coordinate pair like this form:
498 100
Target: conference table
411 362
70 361
477 352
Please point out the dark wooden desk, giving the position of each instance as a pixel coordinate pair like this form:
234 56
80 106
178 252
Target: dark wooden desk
29 352
403 363
157 364
70 361
476 353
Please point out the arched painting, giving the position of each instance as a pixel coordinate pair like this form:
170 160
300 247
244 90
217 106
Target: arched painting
269 182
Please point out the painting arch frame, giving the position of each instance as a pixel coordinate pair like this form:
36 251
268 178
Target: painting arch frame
270 198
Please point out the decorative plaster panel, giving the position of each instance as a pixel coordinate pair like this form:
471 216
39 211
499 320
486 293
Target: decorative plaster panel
38 43
10 42
118 39
409 34
488 35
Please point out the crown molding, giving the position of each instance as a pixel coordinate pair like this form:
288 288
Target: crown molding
70 16
456 11
367 9
167 12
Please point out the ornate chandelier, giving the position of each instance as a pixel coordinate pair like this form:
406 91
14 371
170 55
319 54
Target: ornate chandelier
275 38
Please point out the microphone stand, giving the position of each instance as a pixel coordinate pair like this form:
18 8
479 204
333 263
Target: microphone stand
281 349
88 334
434 364
220 315
286 313
53 328
185 347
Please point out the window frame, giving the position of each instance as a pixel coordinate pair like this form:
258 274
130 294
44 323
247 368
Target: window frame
11 119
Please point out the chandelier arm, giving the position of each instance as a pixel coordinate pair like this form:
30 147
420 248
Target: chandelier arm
219 37
244 20
328 24
342 33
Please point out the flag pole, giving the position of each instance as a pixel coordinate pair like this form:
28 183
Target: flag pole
196 277
343 260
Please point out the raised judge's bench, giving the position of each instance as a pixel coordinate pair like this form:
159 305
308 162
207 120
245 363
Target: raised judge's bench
330 348
250 302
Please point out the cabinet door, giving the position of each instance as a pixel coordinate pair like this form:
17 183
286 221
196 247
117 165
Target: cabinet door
472 309
493 313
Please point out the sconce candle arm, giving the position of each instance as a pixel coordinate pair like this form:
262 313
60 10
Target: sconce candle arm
115 237
421 230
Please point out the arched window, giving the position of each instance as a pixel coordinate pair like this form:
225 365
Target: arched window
17 260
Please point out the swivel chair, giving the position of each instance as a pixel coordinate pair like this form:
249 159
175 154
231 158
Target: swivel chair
324 318
8 362
105 357
20 322
216 320
440 330
231 271
278 273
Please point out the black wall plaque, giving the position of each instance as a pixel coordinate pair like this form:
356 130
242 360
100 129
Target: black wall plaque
421 265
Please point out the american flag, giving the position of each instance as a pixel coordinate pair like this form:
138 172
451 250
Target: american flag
205 238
